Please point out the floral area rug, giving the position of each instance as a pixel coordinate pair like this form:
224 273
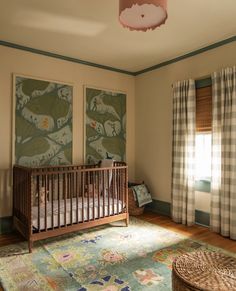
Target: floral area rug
108 258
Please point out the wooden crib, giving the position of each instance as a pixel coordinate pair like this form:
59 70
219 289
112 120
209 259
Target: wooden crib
51 201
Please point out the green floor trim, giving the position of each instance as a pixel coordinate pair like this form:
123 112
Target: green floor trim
6 224
202 218
160 207
164 208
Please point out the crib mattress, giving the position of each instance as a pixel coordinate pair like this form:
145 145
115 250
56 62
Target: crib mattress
91 214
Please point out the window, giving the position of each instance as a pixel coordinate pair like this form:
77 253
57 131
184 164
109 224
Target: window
203 156
204 109
203 135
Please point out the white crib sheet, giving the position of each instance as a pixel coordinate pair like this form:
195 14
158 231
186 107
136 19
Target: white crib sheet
54 211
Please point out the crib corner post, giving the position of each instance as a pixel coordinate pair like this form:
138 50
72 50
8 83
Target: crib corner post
30 245
127 220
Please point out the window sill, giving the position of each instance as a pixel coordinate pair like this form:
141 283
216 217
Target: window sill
203 185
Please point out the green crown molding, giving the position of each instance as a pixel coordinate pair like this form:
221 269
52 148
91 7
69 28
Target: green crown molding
62 57
155 67
186 56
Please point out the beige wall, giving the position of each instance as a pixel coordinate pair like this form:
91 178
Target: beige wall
149 113
154 117
20 62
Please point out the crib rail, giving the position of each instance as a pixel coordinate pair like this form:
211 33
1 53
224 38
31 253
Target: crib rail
59 197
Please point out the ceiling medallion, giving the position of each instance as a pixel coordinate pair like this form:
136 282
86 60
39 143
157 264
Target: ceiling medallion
142 15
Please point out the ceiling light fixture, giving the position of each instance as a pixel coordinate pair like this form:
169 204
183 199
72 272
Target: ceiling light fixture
142 15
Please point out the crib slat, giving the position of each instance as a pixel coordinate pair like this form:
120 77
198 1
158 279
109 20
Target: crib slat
122 187
99 195
23 189
23 196
52 187
20 189
93 183
103 192
82 190
88 194
64 193
45 193
59 198
76 191
28 202
126 193
108 190
113 190
22 193
37 191
71 192
117 190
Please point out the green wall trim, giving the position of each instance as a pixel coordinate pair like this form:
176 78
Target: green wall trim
155 67
189 55
6 224
203 186
160 207
202 218
62 57
164 208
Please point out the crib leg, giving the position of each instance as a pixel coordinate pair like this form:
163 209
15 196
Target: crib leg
127 220
30 245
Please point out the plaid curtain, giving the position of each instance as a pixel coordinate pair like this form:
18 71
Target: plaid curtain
223 201
183 152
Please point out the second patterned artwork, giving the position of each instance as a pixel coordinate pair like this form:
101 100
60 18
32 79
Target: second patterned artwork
105 125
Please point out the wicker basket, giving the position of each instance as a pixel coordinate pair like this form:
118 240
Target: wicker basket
206 271
133 207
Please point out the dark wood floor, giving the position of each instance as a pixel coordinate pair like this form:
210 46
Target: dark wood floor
195 232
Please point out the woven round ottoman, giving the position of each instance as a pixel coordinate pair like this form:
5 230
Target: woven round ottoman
206 271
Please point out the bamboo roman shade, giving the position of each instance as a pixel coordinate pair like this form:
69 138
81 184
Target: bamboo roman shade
204 109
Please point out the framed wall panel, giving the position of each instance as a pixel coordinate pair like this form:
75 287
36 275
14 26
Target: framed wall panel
105 125
42 122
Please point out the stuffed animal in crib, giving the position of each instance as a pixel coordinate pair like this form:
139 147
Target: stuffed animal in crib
41 197
89 191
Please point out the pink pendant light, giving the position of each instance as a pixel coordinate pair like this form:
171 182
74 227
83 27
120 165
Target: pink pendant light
142 15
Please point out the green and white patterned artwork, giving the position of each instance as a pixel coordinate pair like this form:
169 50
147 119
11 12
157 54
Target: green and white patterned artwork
105 133
43 122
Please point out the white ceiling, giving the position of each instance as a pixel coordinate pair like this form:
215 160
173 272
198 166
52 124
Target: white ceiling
89 30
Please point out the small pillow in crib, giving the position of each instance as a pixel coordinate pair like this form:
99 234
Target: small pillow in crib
142 194
106 163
